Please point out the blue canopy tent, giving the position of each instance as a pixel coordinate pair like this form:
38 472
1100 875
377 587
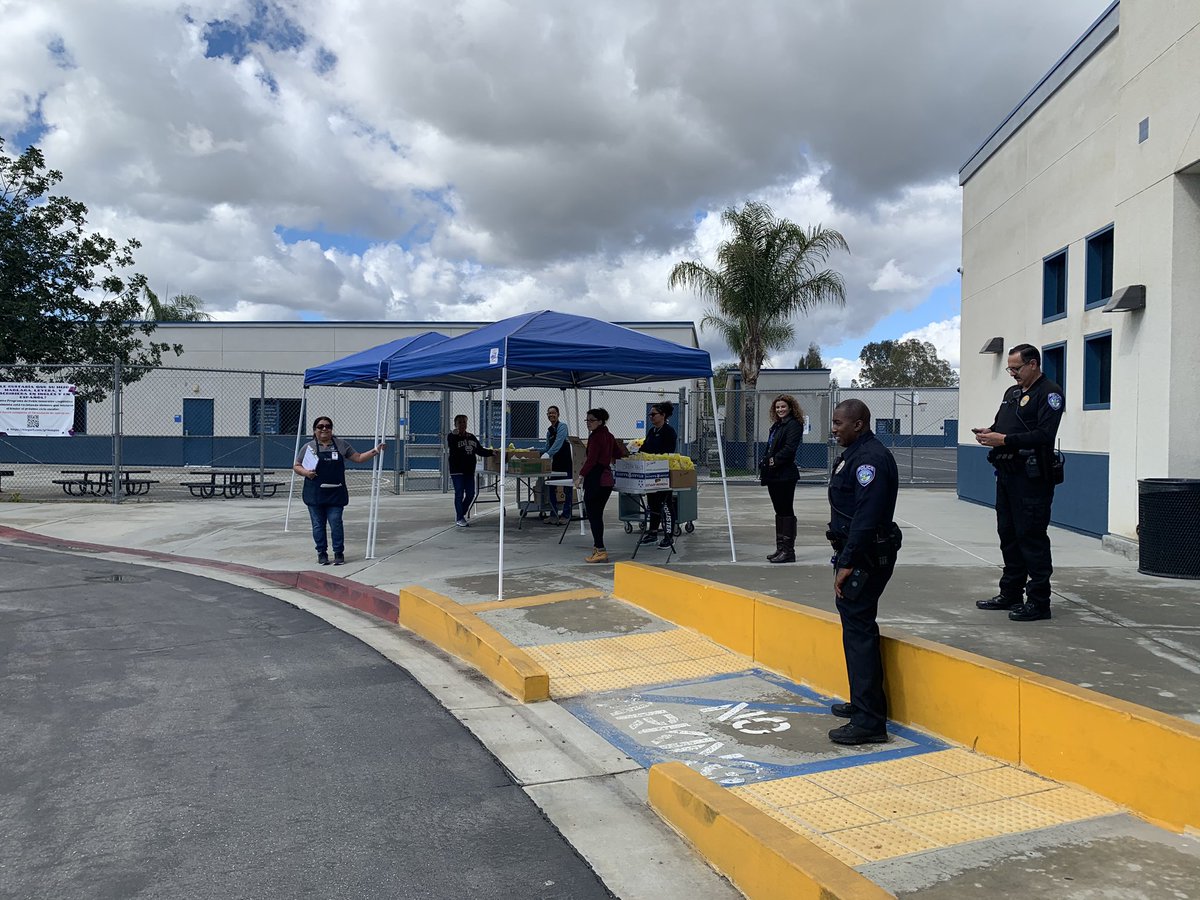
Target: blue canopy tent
364 369
551 349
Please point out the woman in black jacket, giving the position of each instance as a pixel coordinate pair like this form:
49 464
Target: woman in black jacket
779 473
660 438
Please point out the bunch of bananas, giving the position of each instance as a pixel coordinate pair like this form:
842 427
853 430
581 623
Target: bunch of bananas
676 461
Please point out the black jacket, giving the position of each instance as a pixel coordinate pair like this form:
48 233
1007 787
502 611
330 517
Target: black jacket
1029 421
662 440
862 497
783 443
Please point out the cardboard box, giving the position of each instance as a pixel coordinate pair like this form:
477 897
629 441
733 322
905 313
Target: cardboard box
520 462
637 476
681 478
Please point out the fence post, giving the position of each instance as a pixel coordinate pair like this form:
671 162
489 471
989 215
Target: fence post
262 432
116 431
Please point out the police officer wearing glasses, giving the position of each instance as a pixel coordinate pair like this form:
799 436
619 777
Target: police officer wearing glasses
1027 469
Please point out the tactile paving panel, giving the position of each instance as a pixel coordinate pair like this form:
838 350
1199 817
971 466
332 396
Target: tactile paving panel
1009 782
835 814
852 780
1012 815
893 803
947 827
959 762
1071 802
882 841
907 771
610 664
783 792
950 793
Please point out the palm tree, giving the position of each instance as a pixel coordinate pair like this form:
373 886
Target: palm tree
180 308
767 272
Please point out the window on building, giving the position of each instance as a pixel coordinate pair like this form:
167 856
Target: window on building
1098 288
1054 362
274 415
79 426
1054 286
1097 370
887 426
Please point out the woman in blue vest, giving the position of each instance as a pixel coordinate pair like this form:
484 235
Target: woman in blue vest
322 463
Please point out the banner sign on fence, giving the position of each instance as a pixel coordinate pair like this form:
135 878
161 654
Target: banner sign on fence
37 409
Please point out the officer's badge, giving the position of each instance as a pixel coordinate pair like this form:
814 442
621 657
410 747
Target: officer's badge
841 465
1055 401
865 475
1025 400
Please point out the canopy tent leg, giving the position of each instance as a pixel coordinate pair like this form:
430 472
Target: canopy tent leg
712 387
578 498
503 468
295 454
373 506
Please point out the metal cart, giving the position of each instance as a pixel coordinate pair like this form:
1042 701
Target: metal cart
632 510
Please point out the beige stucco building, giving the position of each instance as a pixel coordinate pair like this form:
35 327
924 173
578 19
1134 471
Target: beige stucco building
1081 235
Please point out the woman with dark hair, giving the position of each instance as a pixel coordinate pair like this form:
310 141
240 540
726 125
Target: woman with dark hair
660 438
322 463
779 473
602 450
463 447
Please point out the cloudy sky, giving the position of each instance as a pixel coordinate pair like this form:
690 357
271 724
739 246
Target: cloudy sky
471 159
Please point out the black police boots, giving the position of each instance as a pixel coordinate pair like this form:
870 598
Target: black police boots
1030 612
1000 602
785 540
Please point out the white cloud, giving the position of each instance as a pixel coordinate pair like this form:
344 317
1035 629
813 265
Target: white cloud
486 159
844 370
943 335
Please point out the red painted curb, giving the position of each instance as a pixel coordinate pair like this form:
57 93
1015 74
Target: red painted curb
350 593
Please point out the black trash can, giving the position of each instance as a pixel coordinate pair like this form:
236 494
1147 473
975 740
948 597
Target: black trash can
1169 527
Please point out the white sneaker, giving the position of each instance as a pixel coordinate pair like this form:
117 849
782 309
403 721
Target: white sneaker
461 523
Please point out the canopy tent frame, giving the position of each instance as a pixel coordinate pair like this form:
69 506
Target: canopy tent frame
602 355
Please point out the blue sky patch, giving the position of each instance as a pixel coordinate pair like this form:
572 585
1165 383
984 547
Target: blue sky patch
269 25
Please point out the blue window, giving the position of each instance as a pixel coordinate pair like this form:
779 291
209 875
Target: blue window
1054 362
1097 370
1098 287
1054 286
274 416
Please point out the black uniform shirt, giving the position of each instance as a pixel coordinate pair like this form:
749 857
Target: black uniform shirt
1029 419
862 496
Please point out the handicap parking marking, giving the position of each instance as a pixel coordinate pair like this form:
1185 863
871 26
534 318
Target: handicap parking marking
735 729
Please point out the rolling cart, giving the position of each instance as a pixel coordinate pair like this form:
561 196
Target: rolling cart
632 510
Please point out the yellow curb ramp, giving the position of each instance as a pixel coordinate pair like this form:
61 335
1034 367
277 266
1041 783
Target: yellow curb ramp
463 634
763 858
1128 753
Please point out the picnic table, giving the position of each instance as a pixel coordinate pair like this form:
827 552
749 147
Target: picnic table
231 483
97 481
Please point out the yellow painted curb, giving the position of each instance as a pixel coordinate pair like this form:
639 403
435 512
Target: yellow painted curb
763 858
1133 755
461 633
537 600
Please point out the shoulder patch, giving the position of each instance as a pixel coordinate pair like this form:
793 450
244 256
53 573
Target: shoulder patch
865 475
1055 401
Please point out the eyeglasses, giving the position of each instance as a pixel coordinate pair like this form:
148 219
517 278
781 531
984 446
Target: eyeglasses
655 412
324 428
1012 371
592 419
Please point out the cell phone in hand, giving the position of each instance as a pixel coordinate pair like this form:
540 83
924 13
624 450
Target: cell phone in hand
853 586
977 431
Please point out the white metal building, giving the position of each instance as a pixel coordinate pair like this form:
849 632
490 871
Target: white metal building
1081 235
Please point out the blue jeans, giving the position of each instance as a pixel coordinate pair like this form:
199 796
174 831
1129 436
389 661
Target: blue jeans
464 493
333 515
567 493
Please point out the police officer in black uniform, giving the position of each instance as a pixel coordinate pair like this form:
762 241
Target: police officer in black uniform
1027 469
862 501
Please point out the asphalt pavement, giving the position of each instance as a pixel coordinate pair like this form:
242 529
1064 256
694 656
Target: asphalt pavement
168 735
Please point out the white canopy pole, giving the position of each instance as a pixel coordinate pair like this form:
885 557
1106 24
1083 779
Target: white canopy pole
503 467
578 498
295 453
372 515
712 387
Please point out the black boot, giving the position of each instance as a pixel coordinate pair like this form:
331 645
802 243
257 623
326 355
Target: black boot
785 530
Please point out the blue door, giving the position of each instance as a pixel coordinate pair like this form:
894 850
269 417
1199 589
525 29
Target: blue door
197 432
423 448
950 433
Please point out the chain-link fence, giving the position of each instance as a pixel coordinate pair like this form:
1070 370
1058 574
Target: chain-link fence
174 433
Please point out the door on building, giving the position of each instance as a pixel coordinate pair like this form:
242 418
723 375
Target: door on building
197 431
424 446
950 433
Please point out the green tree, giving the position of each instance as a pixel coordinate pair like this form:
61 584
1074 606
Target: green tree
910 363
769 270
812 359
180 308
61 297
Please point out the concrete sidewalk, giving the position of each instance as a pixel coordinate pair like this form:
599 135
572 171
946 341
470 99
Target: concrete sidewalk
1127 635
1131 636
